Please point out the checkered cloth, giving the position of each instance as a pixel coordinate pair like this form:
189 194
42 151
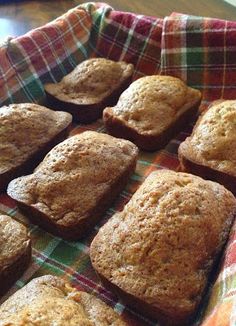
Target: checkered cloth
202 52
199 50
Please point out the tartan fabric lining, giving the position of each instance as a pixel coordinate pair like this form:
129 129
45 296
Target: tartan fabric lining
199 50
129 37
209 50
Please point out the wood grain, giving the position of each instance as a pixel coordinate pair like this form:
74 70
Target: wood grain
18 17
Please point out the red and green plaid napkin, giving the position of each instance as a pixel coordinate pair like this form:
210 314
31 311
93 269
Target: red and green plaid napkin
199 50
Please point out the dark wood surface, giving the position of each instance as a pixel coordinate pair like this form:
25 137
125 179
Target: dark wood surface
18 17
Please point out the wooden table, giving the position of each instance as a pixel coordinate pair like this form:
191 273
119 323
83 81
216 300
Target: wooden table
18 17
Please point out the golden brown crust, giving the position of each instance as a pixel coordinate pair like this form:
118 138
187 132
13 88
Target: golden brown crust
15 251
27 130
92 84
76 181
162 246
49 300
149 107
210 151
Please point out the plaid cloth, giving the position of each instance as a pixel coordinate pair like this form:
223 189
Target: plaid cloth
16 83
199 50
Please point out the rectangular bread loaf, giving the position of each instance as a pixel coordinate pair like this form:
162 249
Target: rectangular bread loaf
210 151
94 84
49 300
75 183
27 132
15 251
152 111
158 252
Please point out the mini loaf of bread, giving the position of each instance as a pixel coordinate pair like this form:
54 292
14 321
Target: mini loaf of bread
158 252
15 251
152 110
27 132
48 300
75 183
89 88
210 151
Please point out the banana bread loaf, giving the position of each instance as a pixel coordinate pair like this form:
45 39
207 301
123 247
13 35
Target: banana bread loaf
49 300
152 110
210 151
158 252
28 131
15 251
75 183
89 88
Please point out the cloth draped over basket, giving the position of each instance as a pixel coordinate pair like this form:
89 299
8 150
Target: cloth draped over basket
199 50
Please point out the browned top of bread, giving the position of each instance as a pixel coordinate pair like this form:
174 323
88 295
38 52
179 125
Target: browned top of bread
213 140
161 246
25 128
14 241
48 300
91 81
74 175
152 103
